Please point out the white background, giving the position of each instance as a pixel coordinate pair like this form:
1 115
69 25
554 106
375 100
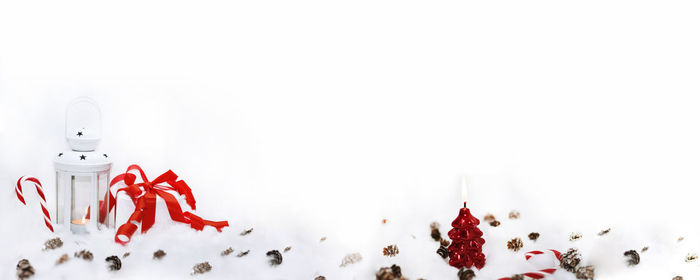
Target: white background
332 115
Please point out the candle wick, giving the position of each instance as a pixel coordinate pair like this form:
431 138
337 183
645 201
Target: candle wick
465 204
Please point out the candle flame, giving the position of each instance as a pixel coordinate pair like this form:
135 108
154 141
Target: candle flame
463 183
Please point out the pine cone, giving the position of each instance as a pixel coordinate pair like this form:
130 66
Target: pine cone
691 257
241 254
489 218
385 273
227 252
53 243
570 260
575 236
350 259
83 254
517 277
275 257
465 274
62 259
320 278
246 232
585 273
114 263
444 242
677 278
632 257
443 252
24 269
159 254
126 254
391 250
515 244
513 215
495 223
286 249
604 232
533 236
201 268
396 270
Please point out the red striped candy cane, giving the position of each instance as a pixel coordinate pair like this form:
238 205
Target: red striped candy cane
540 274
40 191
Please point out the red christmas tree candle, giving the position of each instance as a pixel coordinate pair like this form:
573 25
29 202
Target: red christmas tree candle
465 249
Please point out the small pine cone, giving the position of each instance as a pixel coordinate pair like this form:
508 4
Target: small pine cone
604 232
275 257
585 273
632 257
646 248
570 260
83 254
466 274
227 252
443 252
677 278
320 277
489 218
575 236
286 249
517 277
159 254
434 225
513 215
24 269
396 270
435 234
246 232
533 236
126 254
444 242
515 244
114 263
391 250
53 243
691 257
201 268
385 273
62 259
495 223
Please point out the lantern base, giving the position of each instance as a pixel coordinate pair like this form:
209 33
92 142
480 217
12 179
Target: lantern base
78 228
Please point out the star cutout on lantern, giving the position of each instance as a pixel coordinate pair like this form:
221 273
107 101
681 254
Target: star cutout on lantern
105 155
80 133
60 154
82 157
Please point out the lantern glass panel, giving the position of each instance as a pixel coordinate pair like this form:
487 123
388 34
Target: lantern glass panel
60 201
103 196
80 199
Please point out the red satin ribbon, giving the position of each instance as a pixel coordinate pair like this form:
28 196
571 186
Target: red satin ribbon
144 196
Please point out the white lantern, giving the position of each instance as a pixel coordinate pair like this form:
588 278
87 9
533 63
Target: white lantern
82 174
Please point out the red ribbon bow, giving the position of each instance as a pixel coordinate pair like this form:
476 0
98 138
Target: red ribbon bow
144 196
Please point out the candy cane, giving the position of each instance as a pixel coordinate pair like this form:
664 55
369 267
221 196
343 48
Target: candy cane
540 274
40 191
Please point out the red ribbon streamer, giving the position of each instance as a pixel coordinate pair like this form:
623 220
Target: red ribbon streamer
540 274
40 192
144 196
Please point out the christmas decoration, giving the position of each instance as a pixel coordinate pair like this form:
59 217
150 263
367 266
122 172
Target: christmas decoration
542 273
126 254
585 273
677 278
322 239
201 268
495 223
570 260
632 257
83 254
465 250
40 192
517 277
24 269
286 249
114 263
646 248
227 252
604 232
247 231
157 255
320 278
390 273
533 236
443 252
275 257
489 218
690 257
53 243
515 244
144 197
391 250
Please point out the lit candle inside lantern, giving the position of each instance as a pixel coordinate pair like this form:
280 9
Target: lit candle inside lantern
78 225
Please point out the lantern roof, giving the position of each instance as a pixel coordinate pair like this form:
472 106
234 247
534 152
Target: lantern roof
83 133
76 161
